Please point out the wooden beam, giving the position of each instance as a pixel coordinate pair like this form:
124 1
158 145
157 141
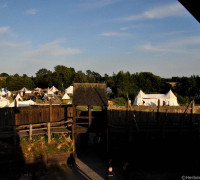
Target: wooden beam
50 112
49 132
90 115
30 132
74 130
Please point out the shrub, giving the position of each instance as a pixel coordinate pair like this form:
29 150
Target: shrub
120 101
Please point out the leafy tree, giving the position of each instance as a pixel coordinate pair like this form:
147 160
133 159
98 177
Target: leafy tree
80 77
4 75
43 78
64 76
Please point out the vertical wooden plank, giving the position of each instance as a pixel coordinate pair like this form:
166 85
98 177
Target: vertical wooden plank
49 132
74 130
50 112
30 132
89 115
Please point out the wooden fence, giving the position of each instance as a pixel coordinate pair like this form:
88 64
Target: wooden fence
166 121
34 115
7 117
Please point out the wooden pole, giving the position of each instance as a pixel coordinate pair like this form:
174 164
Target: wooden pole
74 130
192 111
30 132
49 132
158 111
89 115
50 112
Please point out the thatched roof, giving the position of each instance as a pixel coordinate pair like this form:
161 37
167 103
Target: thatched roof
90 94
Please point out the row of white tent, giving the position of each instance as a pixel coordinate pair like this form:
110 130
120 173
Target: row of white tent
18 101
5 92
168 99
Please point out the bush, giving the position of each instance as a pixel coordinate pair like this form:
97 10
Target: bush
183 100
120 101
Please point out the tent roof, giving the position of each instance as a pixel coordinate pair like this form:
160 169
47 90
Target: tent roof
168 95
18 97
90 94
3 99
69 90
23 89
37 89
109 90
65 96
54 89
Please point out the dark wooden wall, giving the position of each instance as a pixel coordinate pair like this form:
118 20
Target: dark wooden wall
34 115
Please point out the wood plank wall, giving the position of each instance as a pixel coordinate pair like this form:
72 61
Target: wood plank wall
33 115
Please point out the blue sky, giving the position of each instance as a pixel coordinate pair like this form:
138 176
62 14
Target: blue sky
105 36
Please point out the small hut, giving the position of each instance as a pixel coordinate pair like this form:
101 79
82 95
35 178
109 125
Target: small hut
90 94
87 94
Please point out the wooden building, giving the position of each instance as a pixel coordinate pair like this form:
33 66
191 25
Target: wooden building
87 94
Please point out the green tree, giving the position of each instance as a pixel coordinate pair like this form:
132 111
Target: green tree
43 78
80 77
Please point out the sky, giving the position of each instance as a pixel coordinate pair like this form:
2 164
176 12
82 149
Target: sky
104 36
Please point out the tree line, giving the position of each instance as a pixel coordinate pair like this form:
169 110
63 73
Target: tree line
123 84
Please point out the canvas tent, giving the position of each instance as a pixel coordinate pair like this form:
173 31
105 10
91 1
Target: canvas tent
109 90
18 98
168 99
4 92
54 89
22 103
4 102
37 89
69 90
65 96
24 91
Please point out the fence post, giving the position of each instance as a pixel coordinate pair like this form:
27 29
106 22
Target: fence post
49 132
158 111
30 132
192 111
74 130
50 112
89 115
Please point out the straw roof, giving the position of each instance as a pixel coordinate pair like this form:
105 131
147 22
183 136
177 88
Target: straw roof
86 94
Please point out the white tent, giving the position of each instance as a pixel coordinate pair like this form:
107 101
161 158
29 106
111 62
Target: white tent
24 90
49 93
109 90
54 89
168 99
4 102
65 96
18 98
69 90
22 103
4 92
38 89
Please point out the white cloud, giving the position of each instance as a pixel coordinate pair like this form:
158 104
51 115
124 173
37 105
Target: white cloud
13 45
181 45
93 4
4 29
124 28
115 34
51 49
32 11
175 9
